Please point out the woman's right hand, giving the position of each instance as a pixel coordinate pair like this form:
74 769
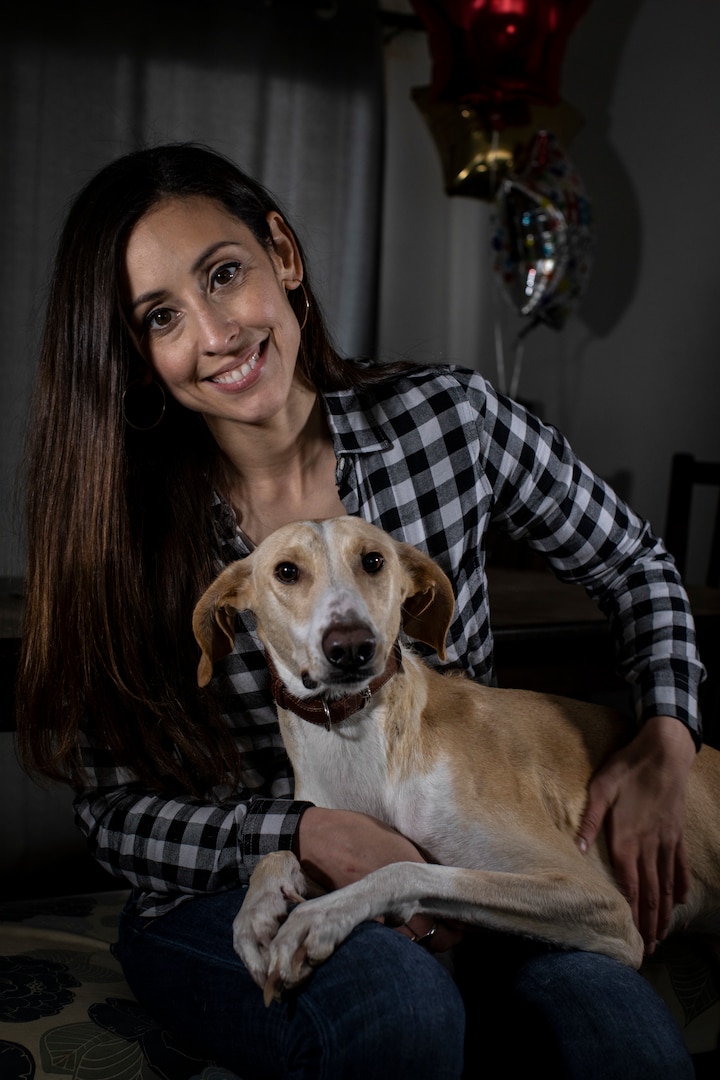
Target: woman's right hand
338 847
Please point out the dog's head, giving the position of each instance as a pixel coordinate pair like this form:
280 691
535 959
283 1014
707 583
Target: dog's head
329 598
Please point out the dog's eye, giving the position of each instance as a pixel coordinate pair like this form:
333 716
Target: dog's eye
287 572
372 562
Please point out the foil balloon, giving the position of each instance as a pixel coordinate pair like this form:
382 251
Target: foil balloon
498 51
542 235
495 82
477 151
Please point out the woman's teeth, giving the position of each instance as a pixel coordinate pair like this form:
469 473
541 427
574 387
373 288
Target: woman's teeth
239 373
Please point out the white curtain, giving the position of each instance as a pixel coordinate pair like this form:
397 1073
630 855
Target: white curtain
292 91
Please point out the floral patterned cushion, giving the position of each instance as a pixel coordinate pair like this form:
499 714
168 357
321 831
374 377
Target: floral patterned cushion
685 971
65 1009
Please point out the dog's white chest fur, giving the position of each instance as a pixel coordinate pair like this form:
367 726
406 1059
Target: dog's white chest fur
341 769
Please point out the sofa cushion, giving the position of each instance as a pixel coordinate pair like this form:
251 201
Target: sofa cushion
65 1009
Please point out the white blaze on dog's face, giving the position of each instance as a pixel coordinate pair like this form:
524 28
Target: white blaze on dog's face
328 597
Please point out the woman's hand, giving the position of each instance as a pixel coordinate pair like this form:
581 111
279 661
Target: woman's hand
337 847
640 795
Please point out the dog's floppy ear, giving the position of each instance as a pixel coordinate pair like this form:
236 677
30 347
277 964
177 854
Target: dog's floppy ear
213 619
429 604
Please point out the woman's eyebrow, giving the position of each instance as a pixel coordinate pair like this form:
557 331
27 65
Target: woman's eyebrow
210 251
157 294
146 298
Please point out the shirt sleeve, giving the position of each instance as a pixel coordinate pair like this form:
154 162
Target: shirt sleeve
546 496
169 849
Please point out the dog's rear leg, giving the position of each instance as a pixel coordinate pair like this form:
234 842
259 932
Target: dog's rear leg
276 884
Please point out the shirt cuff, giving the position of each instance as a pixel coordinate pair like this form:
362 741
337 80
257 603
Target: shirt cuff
270 825
673 693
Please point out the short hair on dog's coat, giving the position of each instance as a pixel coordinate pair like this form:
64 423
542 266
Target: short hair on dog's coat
490 783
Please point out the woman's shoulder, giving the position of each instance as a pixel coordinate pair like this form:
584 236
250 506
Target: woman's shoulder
395 377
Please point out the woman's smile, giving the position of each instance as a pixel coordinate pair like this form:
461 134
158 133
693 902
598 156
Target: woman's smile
208 309
238 377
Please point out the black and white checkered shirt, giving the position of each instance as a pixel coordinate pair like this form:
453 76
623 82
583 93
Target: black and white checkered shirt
432 457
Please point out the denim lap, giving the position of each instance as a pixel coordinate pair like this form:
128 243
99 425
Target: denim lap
383 1007
380 1007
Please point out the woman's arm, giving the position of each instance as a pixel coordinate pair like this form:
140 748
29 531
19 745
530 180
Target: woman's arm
172 847
546 496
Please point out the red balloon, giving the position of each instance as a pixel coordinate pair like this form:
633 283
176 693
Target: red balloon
498 51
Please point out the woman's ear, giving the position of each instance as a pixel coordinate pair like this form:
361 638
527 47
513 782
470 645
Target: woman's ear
285 254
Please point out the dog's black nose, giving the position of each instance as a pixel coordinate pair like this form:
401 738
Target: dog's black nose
349 647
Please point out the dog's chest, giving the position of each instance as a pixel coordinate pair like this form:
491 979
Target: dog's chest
344 768
348 768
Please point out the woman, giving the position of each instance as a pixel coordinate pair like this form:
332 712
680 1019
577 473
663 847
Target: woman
188 402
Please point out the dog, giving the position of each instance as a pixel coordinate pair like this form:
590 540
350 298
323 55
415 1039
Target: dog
490 784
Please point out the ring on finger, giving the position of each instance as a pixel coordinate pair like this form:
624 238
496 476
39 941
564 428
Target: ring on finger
425 938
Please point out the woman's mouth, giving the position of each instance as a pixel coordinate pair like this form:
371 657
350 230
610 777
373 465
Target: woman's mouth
237 374
244 374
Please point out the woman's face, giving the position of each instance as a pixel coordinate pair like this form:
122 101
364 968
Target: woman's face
208 309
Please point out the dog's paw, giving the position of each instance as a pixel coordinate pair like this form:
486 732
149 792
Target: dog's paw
277 884
310 935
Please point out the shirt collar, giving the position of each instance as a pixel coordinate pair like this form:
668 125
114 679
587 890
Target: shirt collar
354 429
353 422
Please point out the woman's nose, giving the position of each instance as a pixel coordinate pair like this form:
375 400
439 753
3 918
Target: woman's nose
217 329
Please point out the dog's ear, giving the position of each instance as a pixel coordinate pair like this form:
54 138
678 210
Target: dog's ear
213 619
429 604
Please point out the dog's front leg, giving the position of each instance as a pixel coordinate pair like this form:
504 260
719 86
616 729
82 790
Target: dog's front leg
276 884
313 930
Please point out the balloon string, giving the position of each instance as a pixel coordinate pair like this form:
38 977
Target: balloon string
518 348
499 350
497 321
517 365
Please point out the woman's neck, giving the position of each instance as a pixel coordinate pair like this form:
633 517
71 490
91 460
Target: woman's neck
284 471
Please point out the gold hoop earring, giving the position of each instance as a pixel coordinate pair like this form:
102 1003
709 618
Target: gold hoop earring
303 324
138 407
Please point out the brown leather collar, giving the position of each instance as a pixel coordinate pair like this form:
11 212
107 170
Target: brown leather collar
319 711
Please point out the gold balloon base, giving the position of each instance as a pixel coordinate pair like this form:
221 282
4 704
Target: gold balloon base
480 145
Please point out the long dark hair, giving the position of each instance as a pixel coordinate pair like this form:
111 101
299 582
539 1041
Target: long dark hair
120 538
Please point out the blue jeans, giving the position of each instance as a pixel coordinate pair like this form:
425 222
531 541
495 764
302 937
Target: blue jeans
383 1008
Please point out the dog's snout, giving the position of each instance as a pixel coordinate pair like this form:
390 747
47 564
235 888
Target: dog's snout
349 647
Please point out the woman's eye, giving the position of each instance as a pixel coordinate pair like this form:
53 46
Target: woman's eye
372 562
287 572
158 319
225 274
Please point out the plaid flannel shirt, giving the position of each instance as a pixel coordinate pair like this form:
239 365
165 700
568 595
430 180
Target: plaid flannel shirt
432 457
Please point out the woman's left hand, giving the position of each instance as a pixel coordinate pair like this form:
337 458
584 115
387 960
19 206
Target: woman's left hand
640 794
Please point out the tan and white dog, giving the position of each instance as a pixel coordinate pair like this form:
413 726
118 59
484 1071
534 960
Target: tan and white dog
490 783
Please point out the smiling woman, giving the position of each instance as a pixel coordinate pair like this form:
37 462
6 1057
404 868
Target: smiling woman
209 311
208 308
176 270
131 541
